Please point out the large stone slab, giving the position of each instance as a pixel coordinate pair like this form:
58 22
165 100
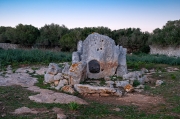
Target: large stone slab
77 73
49 96
97 90
102 49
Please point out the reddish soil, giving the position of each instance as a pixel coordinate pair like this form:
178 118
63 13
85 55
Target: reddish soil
143 102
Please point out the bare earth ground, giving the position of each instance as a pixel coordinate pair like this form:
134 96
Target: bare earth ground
144 102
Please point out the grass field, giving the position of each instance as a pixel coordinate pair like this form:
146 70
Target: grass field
16 57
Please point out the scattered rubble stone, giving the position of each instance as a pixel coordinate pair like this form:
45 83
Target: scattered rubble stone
117 109
53 69
129 88
61 84
68 89
23 110
61 116
159 82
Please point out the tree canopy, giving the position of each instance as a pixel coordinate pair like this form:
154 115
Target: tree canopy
52 35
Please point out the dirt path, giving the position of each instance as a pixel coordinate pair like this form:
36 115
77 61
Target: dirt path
144 102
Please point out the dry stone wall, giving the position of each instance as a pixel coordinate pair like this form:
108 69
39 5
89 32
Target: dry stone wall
169 51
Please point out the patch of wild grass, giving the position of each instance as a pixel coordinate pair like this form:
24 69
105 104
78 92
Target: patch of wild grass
156 59
35 56
169 90
14 97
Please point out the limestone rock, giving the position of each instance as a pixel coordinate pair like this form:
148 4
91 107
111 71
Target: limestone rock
68 89
117 109
122 68
61 84
102 49
140 87
23 110
75 57
121 83
41 71
48 78
53 69
102 57
133 75
61 116
129 88
66 69
159 82
56 83
88 89
77 73
58 77
55 97
118 92
144 70
139 90
110 84
107 78
80 47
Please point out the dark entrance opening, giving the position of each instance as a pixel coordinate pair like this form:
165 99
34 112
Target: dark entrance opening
94 66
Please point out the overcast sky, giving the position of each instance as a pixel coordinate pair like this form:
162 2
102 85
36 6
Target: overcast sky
115 14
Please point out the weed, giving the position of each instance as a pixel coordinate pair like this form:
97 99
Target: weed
40 82
173 76
102 82
136 83
147 87
34 68
73 105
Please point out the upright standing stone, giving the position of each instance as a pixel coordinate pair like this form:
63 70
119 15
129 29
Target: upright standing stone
101 50
122 68
77 73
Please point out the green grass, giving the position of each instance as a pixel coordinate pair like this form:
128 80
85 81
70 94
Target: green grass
156 59
169 90
73 105
40 83
136 83
15 57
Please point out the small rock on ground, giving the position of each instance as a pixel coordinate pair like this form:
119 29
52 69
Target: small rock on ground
23 110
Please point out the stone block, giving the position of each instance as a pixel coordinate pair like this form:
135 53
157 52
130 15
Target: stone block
53 69
77 73
48 78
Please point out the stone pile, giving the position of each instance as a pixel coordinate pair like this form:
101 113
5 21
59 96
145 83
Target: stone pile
58 77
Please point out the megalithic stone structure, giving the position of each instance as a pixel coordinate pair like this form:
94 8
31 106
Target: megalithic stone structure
101 57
